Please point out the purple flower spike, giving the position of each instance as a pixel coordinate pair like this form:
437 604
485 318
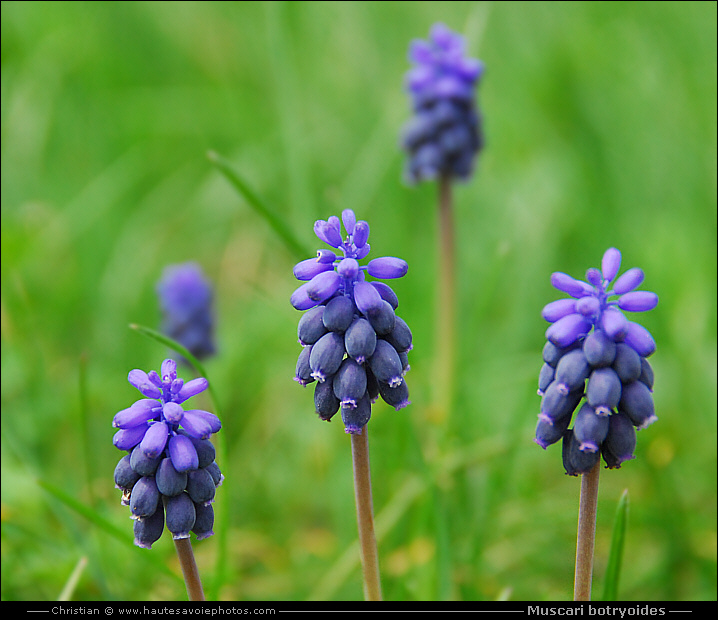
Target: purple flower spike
164 442
186 302
445 134
355 347
591 339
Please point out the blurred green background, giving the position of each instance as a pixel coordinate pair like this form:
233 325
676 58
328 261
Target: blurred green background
600 120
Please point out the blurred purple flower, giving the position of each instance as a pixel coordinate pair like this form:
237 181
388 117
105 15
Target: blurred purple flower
445 133
186 298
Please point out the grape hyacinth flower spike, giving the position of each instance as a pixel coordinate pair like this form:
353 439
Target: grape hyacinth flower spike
595 364
442 141
355 347
186 298
445 134
169 474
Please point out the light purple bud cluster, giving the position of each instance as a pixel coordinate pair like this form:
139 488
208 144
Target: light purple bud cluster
186 298
354 344
445 134
169 472
596 355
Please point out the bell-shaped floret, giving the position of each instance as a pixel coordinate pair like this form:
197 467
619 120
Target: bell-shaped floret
637 403
555 404
360 340
575 460
548 433
326 404
599 349
180 515
382 319
589 428
326 355
551 354
627 363
169 481
200 485
603 391
646 376
546 376
148 530
386 364
311 326
125 476
204 520
620 441
349 383
400 336
356 418
397 397
338 314
144 465
572 371
144 498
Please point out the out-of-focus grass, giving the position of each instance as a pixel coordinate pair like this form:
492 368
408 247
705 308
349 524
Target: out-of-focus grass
600 122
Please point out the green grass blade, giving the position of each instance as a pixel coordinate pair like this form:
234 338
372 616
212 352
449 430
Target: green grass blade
103 524
277 224
615 557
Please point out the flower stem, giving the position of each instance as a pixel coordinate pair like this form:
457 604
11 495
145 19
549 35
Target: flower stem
586 534
365 515
446 301
189 569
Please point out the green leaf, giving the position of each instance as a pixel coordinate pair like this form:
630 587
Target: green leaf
615 556
277 224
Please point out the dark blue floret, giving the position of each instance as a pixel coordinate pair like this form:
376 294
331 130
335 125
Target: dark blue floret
125 476
200 486
144 498
590 337
204 521
170 482
311 326
180 515
604 390
349 330
148 530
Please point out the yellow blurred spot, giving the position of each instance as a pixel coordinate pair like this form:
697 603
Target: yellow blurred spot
661 452
417 552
